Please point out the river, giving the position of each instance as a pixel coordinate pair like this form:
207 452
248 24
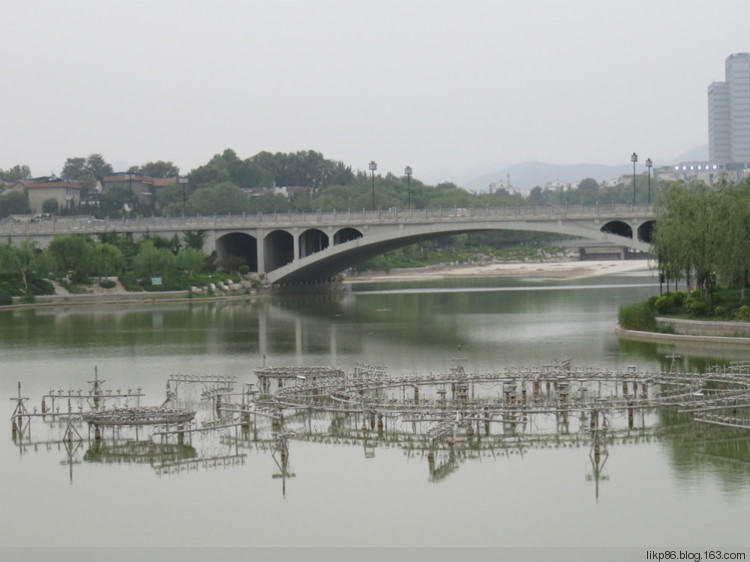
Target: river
666 481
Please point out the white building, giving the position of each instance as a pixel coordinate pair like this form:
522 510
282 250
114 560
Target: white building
729 113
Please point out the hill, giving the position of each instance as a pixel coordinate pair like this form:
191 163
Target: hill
527 175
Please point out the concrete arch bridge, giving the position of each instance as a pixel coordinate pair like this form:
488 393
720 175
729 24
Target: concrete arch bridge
292 248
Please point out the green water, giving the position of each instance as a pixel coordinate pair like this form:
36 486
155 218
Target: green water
671 482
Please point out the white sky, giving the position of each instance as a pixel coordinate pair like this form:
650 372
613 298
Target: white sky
438 85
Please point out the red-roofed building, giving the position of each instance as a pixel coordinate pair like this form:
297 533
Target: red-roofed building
67 193
144 189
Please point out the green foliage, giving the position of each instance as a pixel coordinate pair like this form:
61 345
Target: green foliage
5 299
14 203
28 299
50 206
743 313
638 316
696 308
107 259
221 199
190 261
107 284
244 269
159 169
720 311
152 262
16 173
679 298
194 238
72 253
664 304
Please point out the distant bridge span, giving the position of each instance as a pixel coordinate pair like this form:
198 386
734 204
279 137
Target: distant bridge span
312 247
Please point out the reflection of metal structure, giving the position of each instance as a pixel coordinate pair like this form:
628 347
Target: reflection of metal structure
139 416
446 418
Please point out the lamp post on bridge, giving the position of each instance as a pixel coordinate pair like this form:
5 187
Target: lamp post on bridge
183 183
373 167
648 167
634 159
407 171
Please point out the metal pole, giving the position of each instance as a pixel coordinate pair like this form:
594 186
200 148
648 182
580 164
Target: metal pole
373 167
634 159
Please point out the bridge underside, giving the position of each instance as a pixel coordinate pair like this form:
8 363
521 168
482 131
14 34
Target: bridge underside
326 263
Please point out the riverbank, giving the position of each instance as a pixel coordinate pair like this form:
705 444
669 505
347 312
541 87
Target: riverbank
549 269
118 295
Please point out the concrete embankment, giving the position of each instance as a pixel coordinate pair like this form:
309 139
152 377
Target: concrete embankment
693 331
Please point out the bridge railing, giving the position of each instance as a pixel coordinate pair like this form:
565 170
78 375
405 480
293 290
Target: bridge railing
88 225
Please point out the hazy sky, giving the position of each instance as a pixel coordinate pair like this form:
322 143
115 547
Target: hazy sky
438 85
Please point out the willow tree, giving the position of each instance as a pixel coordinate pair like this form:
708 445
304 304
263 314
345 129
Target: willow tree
686 236
732 219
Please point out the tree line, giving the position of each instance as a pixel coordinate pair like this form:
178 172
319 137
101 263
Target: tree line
220 187
77 260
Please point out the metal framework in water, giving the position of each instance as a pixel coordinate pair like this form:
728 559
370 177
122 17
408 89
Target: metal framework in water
442 416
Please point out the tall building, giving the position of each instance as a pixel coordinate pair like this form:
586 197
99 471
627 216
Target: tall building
729 113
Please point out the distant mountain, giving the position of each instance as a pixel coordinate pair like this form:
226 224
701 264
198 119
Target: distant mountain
528 175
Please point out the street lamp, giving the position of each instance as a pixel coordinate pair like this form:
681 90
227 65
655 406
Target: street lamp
648 167
183 182
373 167
407 171
634 159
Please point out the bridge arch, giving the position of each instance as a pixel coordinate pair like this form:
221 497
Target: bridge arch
238 245
278 249
646 231
346 235
311 241
619 228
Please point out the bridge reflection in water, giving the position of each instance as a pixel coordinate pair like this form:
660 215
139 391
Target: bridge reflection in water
443 420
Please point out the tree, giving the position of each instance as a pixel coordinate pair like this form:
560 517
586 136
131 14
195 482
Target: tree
190 260
87 171
50 206
113 203
686 237
72 253
194 238
16 173
221 199
14 203
107 260
151 262
158 169
733 234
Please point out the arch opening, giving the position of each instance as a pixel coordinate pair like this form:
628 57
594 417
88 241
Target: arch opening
312 241
235 249
346 235
646 231
619 228
278 249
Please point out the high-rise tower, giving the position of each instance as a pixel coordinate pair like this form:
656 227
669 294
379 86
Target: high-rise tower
729 113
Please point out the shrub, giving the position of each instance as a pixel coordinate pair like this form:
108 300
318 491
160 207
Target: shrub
244 269
678 297
664 304
637 316
107 284
720 311
28 299
5 299
651 301
743 313
696 307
